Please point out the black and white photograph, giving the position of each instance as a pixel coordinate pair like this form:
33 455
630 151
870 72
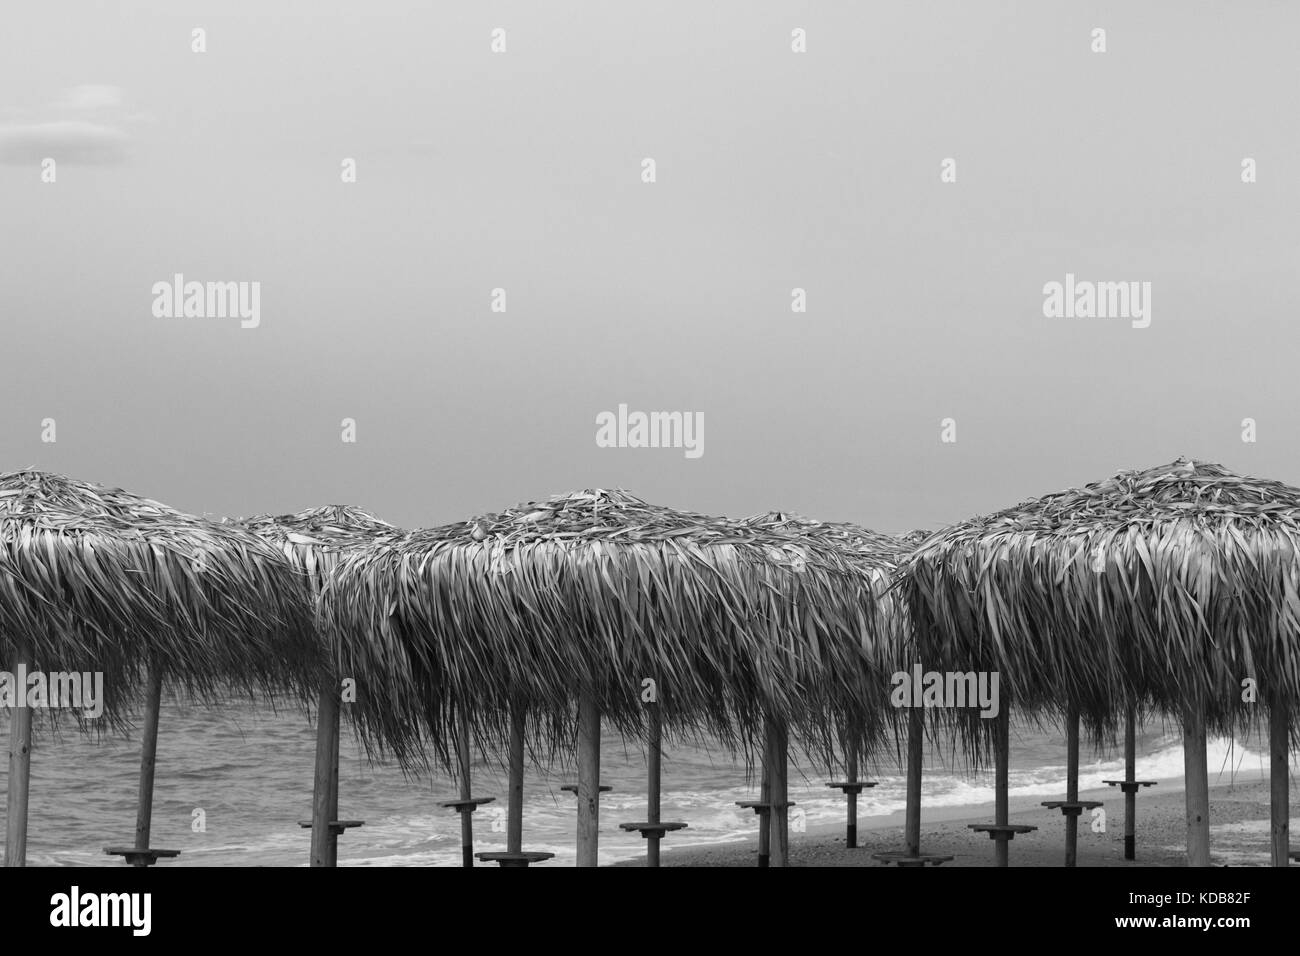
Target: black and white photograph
697 435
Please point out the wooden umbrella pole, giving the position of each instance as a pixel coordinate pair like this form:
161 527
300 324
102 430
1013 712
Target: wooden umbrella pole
1197 786
765 817
654 774
20 767
1279 730
1130 777
464 758
915 754
588 779
1001 808
334 831
324 800
1072 785
778 755
851 774
148 757
515 805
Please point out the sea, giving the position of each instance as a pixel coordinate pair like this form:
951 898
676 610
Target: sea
234 780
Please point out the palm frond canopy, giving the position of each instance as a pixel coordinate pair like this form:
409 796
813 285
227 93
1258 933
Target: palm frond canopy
886 641
596 591
886 547
1164 588
314 539
99 580
878 556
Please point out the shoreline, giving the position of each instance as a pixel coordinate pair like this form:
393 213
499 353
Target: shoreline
1239 832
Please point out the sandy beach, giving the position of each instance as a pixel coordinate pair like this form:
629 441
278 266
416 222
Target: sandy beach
1239 818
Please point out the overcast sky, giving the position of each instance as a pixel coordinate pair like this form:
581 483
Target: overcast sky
522 170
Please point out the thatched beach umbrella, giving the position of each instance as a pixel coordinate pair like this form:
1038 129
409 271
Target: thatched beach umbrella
910 856
96 580
1163 589
893 648
877 555
313 541
569 604
888 645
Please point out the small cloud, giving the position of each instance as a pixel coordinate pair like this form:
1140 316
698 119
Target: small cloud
67 141
90 97
85 125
